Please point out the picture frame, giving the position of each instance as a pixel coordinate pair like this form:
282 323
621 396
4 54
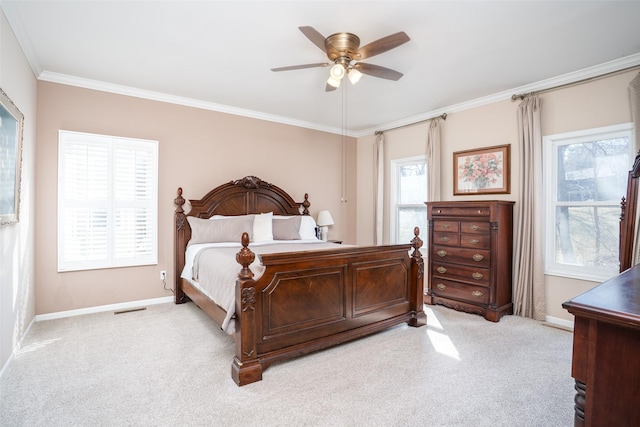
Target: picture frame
11 129
482 171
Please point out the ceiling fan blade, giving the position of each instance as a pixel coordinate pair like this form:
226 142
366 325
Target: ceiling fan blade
300 67
315 37
382 45
378 71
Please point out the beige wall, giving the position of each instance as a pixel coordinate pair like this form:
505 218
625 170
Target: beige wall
598 103
602 102
17 240
198 150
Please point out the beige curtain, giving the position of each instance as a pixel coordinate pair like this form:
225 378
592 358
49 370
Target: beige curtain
433 161
634 94
378 196
528 266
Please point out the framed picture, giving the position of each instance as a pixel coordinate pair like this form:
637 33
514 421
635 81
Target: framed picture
11 125
482 171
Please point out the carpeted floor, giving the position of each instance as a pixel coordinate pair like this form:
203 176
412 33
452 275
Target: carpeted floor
168 365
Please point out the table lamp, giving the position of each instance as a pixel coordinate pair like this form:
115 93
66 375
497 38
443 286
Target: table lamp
324 221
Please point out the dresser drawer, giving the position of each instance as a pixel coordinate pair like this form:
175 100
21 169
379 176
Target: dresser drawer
464 211
474 227
446 226
451 239
460 272
474 257
474 241
460 291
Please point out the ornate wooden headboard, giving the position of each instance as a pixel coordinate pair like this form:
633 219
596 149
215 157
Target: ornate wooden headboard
249 195
628 218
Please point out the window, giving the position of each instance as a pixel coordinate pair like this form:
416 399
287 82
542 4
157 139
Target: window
585 180
408 194
107 201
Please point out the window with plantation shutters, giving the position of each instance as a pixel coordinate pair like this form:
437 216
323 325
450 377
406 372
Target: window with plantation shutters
107 201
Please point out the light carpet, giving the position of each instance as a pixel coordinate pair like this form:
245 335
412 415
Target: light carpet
169 365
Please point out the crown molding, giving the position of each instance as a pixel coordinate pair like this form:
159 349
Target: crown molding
573 77
576 76
172 99
15 22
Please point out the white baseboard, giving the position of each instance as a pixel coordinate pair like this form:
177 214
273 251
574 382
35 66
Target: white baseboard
562 323
103 308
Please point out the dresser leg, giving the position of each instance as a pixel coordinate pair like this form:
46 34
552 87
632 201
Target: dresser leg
581 391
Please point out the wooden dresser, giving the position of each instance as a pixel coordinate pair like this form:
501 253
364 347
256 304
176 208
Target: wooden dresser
470 251
606 352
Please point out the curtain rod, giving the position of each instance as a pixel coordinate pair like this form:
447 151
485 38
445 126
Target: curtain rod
442 116
522 96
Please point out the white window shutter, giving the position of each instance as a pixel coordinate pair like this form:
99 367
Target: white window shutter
107 201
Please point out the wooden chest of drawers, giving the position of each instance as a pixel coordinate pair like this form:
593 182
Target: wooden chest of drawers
470 251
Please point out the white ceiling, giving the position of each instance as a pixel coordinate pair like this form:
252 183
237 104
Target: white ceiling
218 54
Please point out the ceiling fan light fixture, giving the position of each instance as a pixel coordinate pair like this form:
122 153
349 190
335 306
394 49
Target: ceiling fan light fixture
337 72
354 76
333 82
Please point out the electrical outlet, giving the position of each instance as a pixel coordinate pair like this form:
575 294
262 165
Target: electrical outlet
163 275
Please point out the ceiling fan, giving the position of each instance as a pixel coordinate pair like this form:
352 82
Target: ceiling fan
345 54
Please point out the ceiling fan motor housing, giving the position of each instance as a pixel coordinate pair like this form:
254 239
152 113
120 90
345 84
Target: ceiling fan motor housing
342 46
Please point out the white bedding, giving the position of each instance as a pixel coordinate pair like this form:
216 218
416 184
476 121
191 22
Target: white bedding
212 268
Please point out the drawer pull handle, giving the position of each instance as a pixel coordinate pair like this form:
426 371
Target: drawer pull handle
476 294
439 211
480 211
441 286
477 257
474 241
444 239
442 253
445 226
475 227
477 275
441 270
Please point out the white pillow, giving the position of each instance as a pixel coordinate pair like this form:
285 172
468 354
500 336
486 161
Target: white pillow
225 216
263 227
308 227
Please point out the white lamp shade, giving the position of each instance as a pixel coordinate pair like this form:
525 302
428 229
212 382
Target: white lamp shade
324 219
337 71
354 76
333 82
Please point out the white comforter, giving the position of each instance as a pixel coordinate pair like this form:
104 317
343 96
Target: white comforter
212 268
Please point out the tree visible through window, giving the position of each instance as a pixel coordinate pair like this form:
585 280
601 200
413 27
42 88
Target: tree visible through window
408 196
588 176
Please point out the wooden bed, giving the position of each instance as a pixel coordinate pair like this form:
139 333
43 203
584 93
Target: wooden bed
304 301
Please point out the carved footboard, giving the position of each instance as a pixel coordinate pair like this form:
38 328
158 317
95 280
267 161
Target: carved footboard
307 301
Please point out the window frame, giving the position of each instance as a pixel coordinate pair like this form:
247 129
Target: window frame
111 203
551 143
394 193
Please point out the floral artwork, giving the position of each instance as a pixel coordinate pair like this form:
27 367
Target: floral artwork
482 171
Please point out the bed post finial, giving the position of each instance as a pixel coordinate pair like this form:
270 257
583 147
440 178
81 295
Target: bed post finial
306 204
245 257
179 201
417 243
